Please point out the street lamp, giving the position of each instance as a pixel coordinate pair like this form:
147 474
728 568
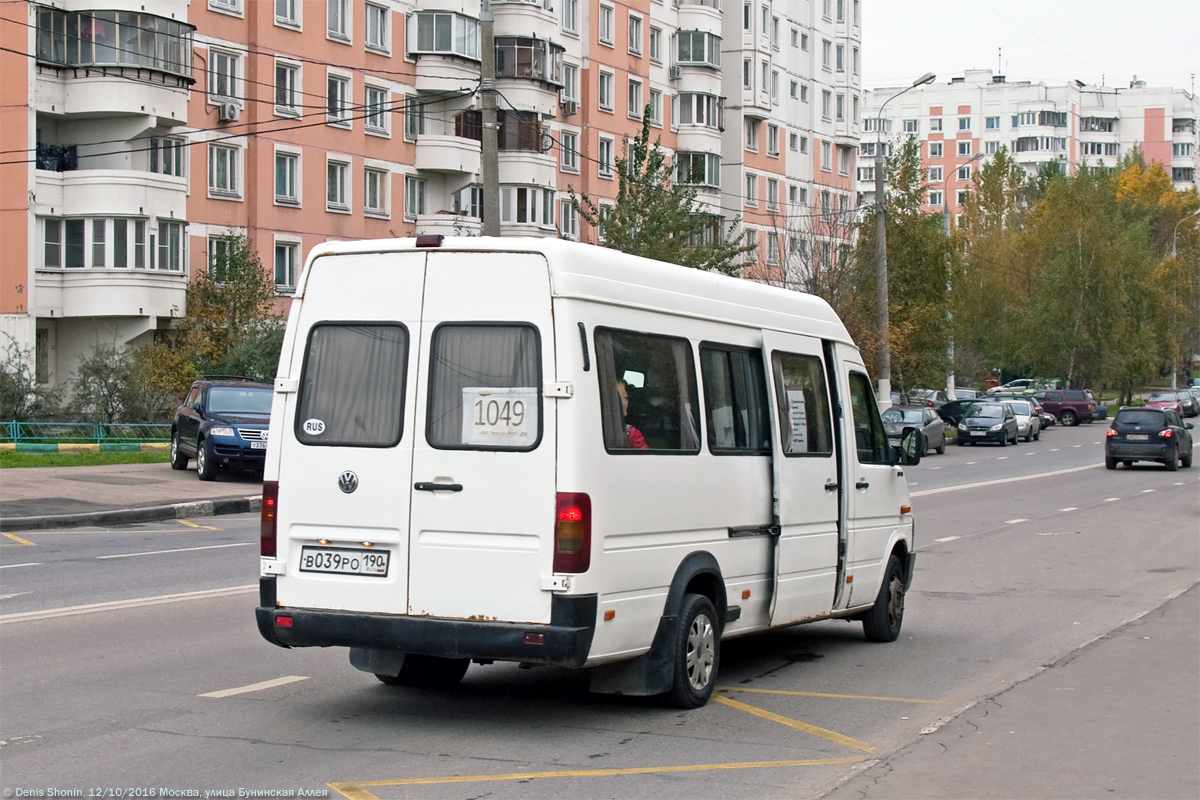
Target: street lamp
950 264
881 282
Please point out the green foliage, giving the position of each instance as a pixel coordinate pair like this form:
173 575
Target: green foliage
658 219
22 398
101 384
10 459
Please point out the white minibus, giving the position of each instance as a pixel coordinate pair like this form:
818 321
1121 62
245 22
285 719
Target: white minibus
538 451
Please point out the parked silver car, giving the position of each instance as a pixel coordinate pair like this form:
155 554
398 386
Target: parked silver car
1029 424
898 419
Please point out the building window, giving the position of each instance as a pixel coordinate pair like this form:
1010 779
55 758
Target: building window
826 156
414 197
775 32
795 37
804 93
841 58
570 16
826 103
223 75
607 15
287 87
443 33
170 247
527 205
99 247
698 169
655 45
793 142
772 248
910 126
826 54
166 156
285 13
605 160
285 266
656 108
336 197
991 147
752 134
1181 149
935 149
844 160
964 147
935 198
569 148
377 36
841 108
935 174
935 124
803 144
230 6
635 99
775 87
414 120
568 220
747 18
991 123
635 35
337 103
699 48
772 194
747 74
964 172
286 175
606 91
376 102
338 25
964 123
795 90
52 242
960 198
751 189
223 171
855 60
375 186
74 249
570 90
772 139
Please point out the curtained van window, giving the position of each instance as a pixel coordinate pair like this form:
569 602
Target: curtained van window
803 401
647 393
485 384
352 385
735 401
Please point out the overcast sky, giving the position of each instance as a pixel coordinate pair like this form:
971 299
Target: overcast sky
1049 40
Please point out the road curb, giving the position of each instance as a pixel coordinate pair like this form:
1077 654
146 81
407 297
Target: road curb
198 508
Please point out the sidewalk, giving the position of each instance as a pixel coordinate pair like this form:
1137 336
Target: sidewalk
50 497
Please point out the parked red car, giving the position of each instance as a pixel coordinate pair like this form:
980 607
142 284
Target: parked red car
1165 400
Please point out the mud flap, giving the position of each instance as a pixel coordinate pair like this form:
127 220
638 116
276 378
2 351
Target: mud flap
645 675
377 662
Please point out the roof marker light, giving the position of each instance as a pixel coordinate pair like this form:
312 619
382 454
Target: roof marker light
430 240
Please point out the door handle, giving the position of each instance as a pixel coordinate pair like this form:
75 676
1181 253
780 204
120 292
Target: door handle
437 487
862 484
831 486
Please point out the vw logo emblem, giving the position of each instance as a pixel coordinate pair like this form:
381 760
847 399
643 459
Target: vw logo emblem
348 482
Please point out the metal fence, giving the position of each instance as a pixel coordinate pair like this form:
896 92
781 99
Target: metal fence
99 432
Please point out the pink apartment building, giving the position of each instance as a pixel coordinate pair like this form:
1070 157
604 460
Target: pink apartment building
138 136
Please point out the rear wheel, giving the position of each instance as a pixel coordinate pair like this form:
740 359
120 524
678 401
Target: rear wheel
1110 463
697 653
941 448
1173 462
1187 460
1068 418
178 459
882 623
206 469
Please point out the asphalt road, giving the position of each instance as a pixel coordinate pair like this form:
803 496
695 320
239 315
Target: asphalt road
130 659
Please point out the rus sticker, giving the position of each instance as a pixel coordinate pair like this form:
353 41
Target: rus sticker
314 427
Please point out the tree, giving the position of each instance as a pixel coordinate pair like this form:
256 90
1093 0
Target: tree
22 398
656 218
102 383
231 325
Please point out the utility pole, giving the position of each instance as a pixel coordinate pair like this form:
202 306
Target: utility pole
490 162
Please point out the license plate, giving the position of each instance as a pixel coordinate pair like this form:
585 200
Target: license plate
1138 437
258 445
894 442
344 561
979 433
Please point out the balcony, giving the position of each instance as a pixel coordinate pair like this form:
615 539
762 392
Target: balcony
447 154
445 45
448 224
700 15
109 192
90 293
535 18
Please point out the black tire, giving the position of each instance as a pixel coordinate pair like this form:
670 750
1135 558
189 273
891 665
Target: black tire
697 653
1186 461
941 449
206 468
961 442
1068 418
1172 463
1029 436
1003 439
178 459
882 623
1110 463
429 672
1037 437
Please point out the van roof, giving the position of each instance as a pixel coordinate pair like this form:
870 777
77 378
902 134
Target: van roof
599 274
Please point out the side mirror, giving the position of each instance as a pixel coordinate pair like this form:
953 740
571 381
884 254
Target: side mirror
1189 425
912 444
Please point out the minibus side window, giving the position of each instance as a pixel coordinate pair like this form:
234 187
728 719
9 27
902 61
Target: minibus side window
735 401
352 385
870 440
803 399
485 384
647 393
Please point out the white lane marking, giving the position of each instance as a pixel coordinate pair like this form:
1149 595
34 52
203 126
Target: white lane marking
1095 443
1014 521
256 687
26 564
931 469
1002 458
1077 445
1054 449
1070 508
1031 454
1110 499
14 594
969 463
1003 480
947 539
180 550
1147 491
137 602
1177 483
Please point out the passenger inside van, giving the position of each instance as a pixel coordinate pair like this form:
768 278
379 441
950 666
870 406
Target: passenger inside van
636 440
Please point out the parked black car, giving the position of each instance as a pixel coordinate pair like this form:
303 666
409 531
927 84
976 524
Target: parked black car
988 422
222 423
1148 434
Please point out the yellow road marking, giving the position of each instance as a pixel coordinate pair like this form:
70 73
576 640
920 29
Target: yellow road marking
19 540
194 525
356 791
800 726
822 694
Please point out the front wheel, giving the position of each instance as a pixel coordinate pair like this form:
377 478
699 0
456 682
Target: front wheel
206 469
178 459
697 653
1068 418
882 623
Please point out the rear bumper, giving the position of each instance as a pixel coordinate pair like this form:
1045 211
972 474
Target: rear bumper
1134 451
565 642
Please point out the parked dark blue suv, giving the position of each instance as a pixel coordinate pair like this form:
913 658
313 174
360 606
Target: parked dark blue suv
222 423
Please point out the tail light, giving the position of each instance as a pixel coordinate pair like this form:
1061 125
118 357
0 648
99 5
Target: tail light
1165 434
1110 432
267 527
572 532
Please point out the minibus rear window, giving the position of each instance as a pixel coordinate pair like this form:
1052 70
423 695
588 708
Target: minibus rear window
352 385
647 393
485 385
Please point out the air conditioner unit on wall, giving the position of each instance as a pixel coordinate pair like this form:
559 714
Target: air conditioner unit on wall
674 73
228 112
569 108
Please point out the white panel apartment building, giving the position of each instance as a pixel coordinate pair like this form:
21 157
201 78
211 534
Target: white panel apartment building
1070 125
